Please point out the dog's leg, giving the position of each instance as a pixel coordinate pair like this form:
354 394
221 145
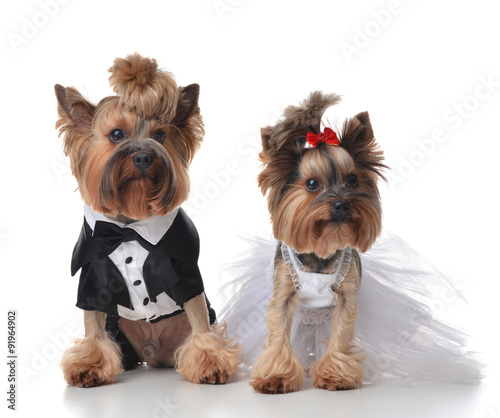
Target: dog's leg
339 367
278 369
206 356
95 359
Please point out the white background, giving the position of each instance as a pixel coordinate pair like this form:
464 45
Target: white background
421 68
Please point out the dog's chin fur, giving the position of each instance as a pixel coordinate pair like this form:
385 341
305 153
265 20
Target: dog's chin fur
138 199
325 238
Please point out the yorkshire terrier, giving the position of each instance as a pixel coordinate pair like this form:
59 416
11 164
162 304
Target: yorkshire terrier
140 286
325 207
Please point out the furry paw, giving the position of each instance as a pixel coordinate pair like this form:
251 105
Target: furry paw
278 374
277 384
89 379
91 362
337 371
208 357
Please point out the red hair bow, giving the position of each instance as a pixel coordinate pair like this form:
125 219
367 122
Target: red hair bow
329 136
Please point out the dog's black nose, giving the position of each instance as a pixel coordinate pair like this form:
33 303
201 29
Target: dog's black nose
142 160
341 210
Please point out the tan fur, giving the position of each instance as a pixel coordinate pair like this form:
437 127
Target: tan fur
207 356
278 370
143 87
340 367
94 360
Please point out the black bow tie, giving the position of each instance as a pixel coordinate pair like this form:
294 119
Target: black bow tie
108 237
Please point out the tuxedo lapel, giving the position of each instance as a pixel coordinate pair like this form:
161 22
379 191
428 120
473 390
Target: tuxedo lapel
159 272
182 241
159 275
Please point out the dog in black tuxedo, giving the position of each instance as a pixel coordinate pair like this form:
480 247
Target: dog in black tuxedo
140 286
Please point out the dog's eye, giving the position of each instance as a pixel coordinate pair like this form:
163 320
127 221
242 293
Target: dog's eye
159 136
312 185
116 135
352 180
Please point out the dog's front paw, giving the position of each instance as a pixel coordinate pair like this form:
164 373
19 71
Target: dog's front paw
337 371
208 357
278 372
89 378
277 384
91 362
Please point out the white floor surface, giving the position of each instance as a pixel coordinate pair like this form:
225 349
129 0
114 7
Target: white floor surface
162 393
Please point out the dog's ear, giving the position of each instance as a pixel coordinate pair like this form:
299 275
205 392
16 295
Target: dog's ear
358 140
74 124
188 103
188 123
74 110
265 135
280 162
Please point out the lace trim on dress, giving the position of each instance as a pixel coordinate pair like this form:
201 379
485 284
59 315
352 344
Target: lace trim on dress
339 270
285 252
314 316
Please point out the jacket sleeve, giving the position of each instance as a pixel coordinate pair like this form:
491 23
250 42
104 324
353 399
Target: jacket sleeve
185 250
82 251
101 286
183 247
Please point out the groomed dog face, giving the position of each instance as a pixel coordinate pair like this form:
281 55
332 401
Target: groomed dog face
130 153
321 198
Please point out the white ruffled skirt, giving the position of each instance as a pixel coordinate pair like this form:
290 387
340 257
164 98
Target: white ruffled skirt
400 338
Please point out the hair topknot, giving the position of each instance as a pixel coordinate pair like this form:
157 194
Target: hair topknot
143 87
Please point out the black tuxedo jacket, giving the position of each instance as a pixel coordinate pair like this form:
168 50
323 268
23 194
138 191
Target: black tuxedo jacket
175 271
